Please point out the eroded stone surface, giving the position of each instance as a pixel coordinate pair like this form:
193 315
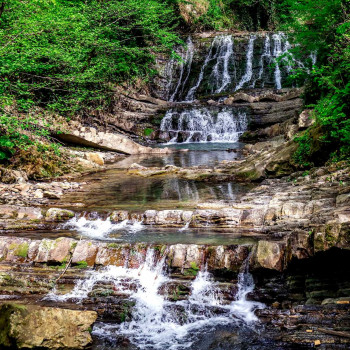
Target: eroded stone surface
30 326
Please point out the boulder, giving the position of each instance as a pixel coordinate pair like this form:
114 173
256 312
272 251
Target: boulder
32 326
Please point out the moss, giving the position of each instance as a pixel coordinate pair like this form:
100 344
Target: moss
248 175
193 270
82 264
22 250
19 249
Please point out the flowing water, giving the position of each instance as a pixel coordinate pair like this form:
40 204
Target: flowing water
156 321
268 60
204 125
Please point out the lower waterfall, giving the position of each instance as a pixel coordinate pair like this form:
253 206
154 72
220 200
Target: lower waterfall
156 322
204 125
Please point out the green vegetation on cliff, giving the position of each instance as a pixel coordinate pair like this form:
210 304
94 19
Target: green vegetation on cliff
323 27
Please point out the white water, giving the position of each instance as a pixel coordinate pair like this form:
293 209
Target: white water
249 67
220 73
156 322
266 55
219 66
100 228
203 125
185 68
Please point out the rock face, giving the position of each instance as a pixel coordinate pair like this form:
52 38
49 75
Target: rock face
28 327
90 137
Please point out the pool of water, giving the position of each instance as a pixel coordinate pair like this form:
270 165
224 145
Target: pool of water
115 189
204 154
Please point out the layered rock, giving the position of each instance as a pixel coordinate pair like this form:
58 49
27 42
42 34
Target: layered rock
94 253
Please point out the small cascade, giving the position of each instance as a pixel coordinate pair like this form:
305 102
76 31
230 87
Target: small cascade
242 307
249 67
156 322
277 51
204 125
100 228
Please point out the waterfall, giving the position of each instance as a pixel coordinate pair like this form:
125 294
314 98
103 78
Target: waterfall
202 125
156 322
220 71
249 68
192 91
266 55
277 51
185 69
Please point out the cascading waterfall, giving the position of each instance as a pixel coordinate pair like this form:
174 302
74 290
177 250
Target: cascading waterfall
277 51
205 125
249 68
220 73
185 69
265 56
220 66
156 322
221 52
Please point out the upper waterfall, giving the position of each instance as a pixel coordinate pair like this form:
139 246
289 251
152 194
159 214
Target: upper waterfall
228 63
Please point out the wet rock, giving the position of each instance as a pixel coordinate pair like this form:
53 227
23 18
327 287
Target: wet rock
119 215
223 217
85 251
30 326
52 194
111 254
57 214
172 217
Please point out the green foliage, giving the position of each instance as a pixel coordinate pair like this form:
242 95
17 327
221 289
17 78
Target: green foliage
148 131
193 270
323 27
63 55
66 57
